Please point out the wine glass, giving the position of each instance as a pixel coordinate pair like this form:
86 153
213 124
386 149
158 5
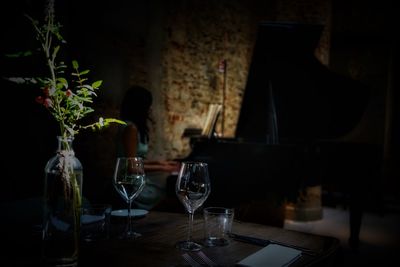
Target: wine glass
129 181
192 189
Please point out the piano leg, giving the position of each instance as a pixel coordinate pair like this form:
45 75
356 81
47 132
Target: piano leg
355 213
354 170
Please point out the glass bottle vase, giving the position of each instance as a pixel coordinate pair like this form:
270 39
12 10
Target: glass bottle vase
62 206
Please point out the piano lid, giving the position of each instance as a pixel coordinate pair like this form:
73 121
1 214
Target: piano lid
290 96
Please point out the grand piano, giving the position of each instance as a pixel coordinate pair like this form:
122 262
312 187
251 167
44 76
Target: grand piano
292 131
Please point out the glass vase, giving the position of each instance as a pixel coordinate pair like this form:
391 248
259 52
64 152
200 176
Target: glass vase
62 206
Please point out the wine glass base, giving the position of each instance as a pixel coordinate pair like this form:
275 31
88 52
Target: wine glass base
129 236
188 246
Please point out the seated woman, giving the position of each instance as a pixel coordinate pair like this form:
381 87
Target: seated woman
133 141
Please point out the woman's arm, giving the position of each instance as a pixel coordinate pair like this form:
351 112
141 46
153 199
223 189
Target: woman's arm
130 143
160 165
130 140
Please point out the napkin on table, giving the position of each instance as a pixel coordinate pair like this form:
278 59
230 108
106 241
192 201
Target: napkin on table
272 256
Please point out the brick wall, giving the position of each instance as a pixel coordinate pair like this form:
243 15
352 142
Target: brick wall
195 36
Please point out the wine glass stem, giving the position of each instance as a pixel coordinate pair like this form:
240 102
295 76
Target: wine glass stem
189 238
129 226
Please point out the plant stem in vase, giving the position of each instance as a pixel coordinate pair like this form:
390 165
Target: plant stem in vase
62 206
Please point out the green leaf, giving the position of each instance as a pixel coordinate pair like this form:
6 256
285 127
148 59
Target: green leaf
55 51
59 37
75 64
109 120
19 54
63 81
86 99
97 84
84 72
18 80
59 86
61 66
87 87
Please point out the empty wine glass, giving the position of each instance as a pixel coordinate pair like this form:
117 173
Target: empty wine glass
192 189
129 181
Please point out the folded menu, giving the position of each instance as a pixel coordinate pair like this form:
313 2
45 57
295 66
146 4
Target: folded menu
272 256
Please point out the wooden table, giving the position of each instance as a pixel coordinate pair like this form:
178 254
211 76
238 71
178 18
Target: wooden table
161 230
156 247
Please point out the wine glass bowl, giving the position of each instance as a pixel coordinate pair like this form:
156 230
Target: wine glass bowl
192 189
129 181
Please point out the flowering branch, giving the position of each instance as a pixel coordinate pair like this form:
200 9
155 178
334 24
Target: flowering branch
68 102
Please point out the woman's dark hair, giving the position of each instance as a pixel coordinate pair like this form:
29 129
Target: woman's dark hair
135 107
